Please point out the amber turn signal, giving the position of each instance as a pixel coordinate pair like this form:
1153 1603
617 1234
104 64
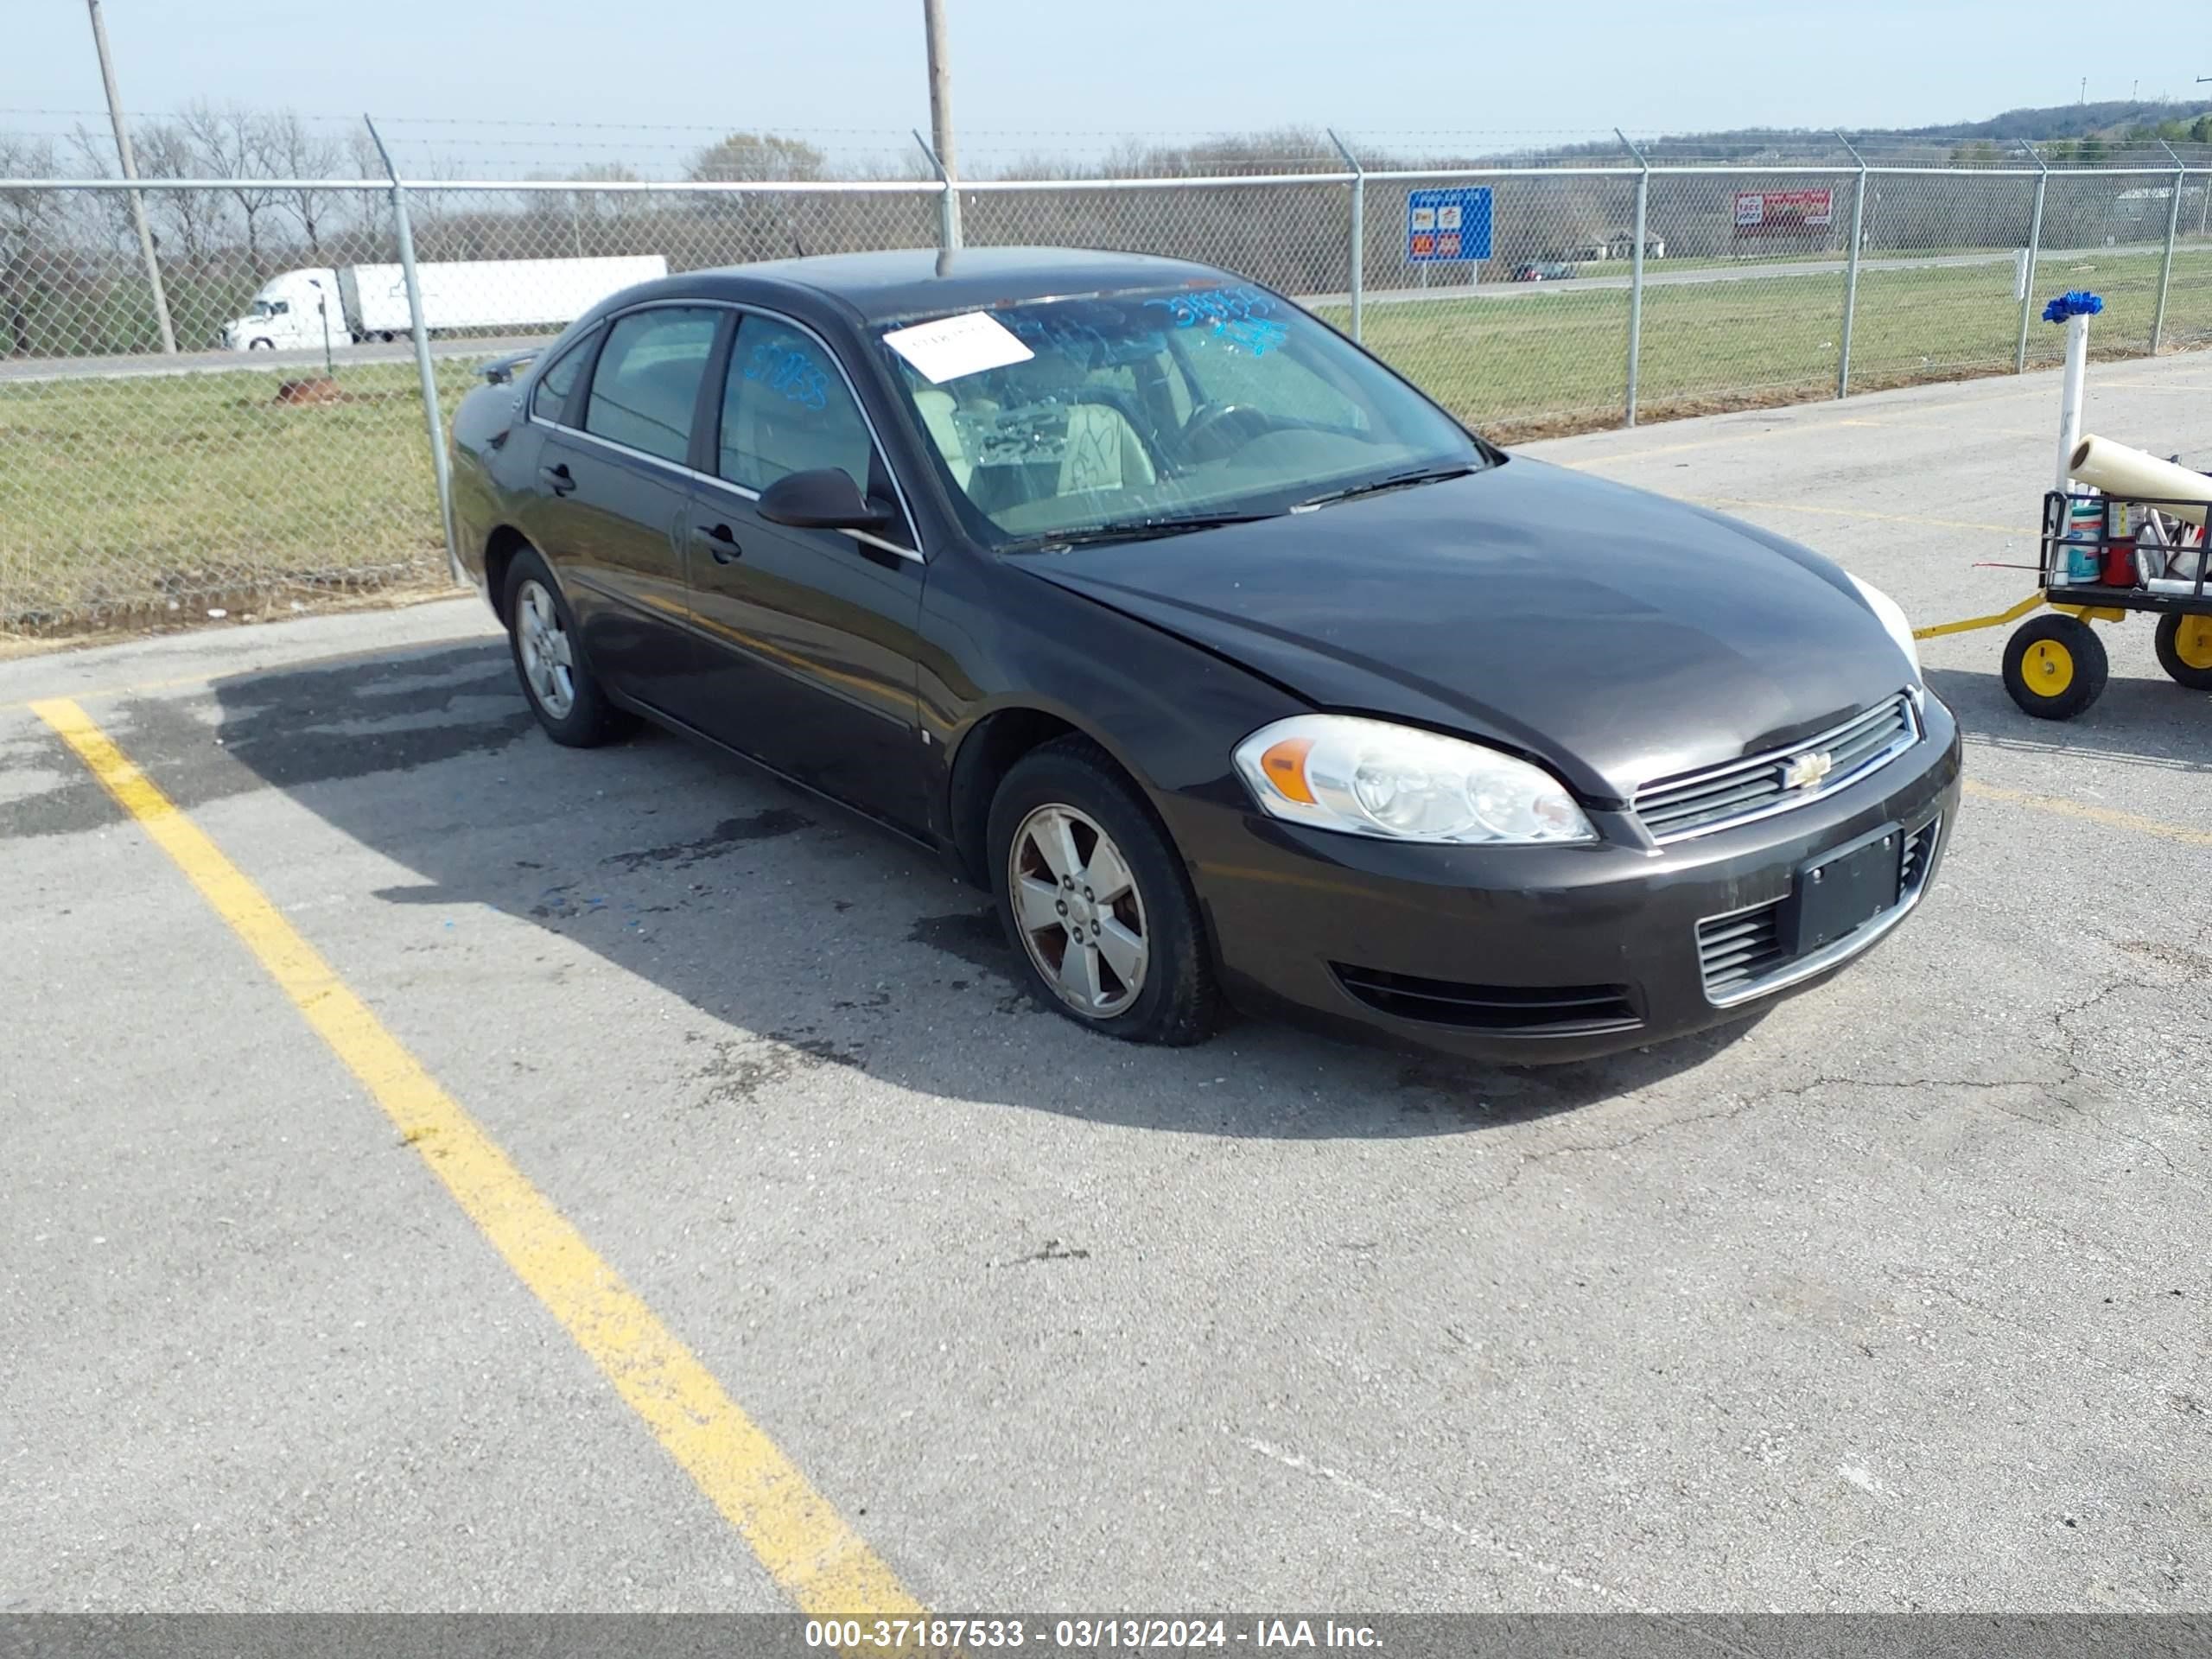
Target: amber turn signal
1285 766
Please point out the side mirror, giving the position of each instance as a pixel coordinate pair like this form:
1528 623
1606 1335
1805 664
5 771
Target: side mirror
825 498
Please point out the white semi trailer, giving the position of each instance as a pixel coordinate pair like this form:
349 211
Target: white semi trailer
361 302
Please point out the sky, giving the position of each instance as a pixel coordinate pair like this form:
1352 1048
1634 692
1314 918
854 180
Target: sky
853 69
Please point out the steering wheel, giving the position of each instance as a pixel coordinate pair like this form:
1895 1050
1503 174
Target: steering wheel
1203 431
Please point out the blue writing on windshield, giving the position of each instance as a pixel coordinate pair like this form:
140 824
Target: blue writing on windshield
1241 316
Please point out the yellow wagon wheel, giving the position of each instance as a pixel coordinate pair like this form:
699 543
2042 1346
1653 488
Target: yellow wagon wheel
2055 667
2186 650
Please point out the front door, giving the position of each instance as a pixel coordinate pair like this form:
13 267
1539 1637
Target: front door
810 633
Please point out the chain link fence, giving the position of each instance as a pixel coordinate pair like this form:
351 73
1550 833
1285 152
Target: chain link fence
282 456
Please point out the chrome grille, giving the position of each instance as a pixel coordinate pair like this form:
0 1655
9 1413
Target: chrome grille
1733 951
1918 845
1737 952
1698 802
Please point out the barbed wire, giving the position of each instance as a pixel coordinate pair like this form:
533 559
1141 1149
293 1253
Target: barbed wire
453 146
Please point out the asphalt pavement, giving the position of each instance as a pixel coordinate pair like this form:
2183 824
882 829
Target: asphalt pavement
1894 1300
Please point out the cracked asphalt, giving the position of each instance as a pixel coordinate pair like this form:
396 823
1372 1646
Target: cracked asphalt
1897 1299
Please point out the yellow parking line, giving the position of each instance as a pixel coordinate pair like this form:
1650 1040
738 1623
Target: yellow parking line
2111 817
1804 425
1860 512
806 1546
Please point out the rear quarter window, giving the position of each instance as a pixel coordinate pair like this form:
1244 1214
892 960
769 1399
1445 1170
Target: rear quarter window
551 394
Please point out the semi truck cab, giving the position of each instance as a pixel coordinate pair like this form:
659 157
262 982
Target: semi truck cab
290 314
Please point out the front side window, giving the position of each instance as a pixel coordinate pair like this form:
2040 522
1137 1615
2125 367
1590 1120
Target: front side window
1147 406
786 408
646 385
551 394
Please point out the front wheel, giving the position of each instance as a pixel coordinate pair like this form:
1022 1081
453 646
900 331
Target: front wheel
2184 644
541 631
2055 667
1093 894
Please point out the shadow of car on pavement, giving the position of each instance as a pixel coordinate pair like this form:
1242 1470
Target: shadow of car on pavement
777 916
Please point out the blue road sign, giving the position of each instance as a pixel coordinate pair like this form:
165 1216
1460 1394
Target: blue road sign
1443 225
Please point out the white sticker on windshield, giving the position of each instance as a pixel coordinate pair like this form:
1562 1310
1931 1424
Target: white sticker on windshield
951 346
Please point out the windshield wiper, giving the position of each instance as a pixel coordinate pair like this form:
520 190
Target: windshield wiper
1393 481
1133 530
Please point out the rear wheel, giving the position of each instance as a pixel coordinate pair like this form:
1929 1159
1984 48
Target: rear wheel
2184 645
1094 895
2055 667
558 682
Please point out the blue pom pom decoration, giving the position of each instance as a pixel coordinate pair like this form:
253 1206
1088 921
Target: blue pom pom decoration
2074 302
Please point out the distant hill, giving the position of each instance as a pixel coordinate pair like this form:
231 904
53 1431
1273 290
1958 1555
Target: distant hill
2102 132
2119 120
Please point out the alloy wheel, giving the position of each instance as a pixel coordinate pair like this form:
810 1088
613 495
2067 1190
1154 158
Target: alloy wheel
547 659
1076 906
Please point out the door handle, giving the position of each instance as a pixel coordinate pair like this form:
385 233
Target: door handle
720 542
557 478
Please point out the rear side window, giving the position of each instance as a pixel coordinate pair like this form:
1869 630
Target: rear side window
550 396
647 381
786 408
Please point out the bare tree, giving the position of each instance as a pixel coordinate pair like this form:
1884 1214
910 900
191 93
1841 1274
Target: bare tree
232 145
27 219
194 218
750 157
292 150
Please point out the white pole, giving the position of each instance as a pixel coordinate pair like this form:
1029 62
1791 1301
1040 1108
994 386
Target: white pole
2070 396
940 70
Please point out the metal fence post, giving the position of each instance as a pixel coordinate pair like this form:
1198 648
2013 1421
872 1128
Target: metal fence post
423 369
1851 271
2173 228
1359 226
948 205
2035 241
1636 273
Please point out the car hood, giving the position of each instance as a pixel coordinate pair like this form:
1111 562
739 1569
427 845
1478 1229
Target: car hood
1615 635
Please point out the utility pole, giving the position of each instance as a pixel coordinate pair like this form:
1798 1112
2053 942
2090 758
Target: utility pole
941 115
130 172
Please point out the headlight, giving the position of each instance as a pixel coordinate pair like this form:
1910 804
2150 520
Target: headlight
1893 619
1370 777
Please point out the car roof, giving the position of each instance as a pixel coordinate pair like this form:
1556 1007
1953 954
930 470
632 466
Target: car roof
919 282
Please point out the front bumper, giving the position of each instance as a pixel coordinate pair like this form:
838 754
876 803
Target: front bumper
1535 954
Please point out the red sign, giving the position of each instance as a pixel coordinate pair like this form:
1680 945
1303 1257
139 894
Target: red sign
1769 212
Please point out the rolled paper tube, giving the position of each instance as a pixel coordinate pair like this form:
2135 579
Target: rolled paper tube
2133 476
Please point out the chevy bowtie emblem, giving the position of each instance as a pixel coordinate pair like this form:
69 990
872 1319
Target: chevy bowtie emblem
1806 771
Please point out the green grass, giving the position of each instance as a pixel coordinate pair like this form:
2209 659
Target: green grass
120 499
1560 355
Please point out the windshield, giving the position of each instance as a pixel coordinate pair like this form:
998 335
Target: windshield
1143 411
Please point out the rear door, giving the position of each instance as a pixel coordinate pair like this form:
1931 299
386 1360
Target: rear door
811 634
614 497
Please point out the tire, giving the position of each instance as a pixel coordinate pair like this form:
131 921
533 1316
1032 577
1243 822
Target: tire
2184 645
1073 783
261 346
549 660
2055 667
